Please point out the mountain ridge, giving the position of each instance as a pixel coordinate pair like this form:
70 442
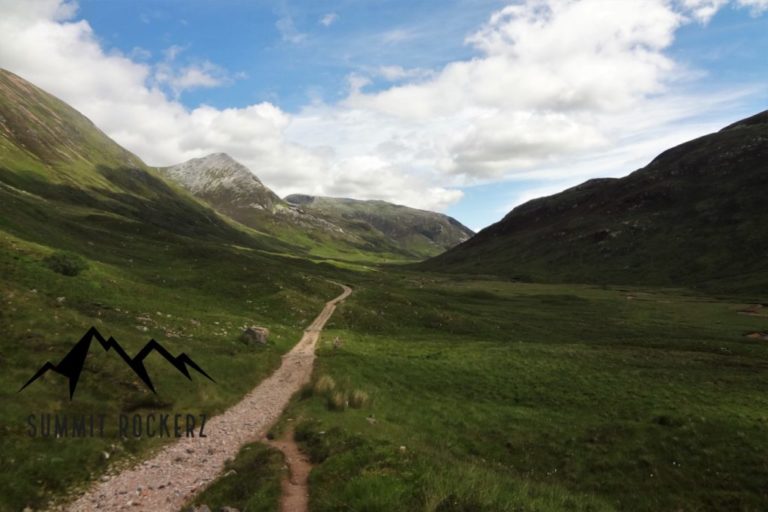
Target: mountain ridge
695 214
401 223
354 225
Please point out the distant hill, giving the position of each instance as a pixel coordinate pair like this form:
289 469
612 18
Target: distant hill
421 232
323 226
696 214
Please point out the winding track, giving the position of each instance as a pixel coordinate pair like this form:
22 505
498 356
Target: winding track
182 469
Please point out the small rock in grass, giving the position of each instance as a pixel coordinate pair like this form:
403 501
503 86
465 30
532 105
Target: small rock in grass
255 335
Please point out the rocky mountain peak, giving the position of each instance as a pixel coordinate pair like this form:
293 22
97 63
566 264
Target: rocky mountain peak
217 170
219 178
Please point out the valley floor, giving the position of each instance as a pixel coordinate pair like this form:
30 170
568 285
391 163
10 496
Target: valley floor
499 396
441 394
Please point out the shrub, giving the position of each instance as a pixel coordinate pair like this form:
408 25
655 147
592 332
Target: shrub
66 263
325 385
358 399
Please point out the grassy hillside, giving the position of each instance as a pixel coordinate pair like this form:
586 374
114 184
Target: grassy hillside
91 236
695 215
233 190
43 135
419 233
342 230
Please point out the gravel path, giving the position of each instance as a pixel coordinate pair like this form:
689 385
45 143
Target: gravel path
182 469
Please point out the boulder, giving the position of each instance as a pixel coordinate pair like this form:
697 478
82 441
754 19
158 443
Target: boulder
255 335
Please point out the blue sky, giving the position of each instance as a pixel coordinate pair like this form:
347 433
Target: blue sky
244 37
469 107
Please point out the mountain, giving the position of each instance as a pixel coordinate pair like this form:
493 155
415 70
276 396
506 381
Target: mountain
422 232
224 183
696 214
40 132
60 174
345 228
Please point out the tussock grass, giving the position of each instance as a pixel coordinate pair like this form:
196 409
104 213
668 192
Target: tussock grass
324 385
358 399
337 401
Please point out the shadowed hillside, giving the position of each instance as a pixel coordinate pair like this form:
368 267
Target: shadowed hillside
695 214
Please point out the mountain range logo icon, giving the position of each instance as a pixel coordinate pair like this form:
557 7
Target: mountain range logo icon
72 364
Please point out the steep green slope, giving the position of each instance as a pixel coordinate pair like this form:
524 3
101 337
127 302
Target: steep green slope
695 214
52 156
150 261
41 133
420 232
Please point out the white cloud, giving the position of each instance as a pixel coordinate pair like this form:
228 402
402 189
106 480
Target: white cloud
554 55
756 7
397 35
398 73
558 90
196 75
704 10
329 19
356 82
554 79
288 30
193 76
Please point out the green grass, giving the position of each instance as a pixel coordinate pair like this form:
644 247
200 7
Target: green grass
538 397
251 482
184 311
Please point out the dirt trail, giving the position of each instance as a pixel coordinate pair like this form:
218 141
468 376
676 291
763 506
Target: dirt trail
295 485
182 469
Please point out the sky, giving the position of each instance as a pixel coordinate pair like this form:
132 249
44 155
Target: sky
468 107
